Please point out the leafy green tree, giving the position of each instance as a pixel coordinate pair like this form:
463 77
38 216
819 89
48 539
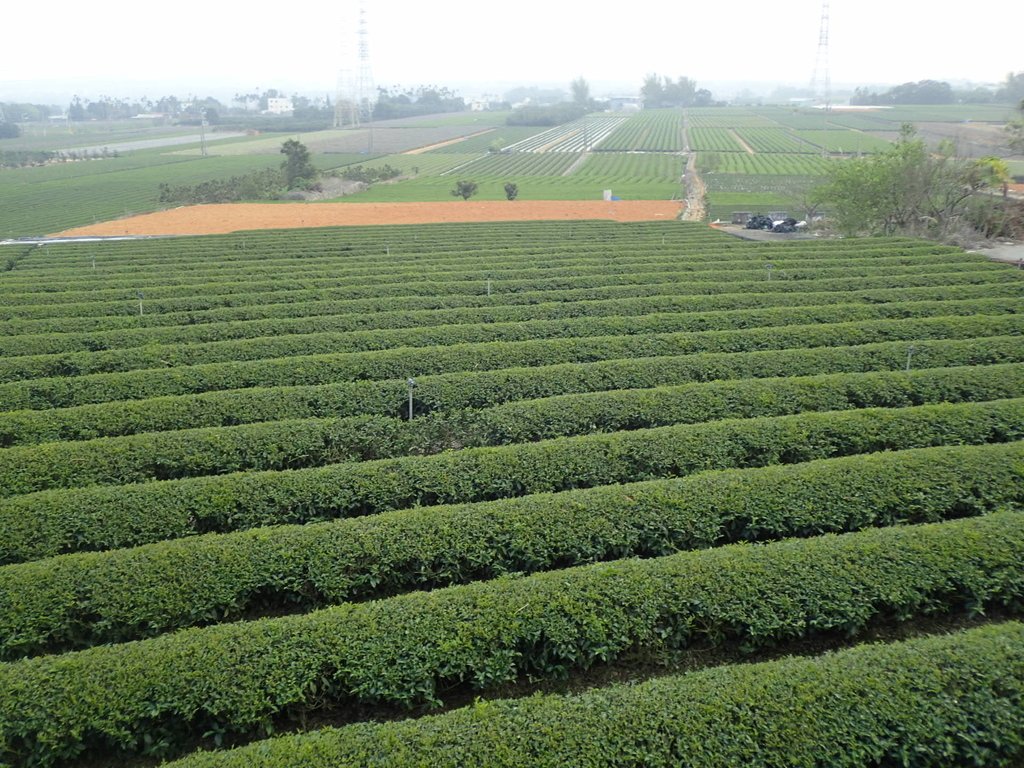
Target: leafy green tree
511 191
663 92
297 167
464 189
904 190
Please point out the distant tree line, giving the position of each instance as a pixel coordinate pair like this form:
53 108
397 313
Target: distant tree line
397 102
658 92
547 115
921 92
267 184
369 175
941 92
296 172
19 158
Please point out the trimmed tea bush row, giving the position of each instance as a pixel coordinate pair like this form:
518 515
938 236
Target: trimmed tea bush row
105 517
483 389
402 650
332 317
419 361
322 302
83 599
293 444
500 267
421 287
319 343
348 246
949 700
189 263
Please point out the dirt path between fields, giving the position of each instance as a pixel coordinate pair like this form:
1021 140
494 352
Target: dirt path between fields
746 147
695 192
234 217
459 140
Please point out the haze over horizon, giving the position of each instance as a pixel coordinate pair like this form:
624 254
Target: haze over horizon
213 49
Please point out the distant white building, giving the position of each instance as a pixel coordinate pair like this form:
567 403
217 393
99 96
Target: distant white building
279 106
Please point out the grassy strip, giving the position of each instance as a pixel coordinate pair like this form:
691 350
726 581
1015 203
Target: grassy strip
79 600
104 517
483 389
300 443
403 650
419 361
329 342
948 700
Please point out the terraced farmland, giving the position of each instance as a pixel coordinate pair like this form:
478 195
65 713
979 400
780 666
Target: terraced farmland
282 490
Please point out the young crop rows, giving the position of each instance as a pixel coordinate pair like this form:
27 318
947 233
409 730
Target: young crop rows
738 163
845 142
648 131
566 493
713 140
578 136
774 140
518 164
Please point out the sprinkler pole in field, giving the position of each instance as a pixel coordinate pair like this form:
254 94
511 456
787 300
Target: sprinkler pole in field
411 384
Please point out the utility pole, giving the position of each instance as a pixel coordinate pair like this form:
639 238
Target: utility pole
821 68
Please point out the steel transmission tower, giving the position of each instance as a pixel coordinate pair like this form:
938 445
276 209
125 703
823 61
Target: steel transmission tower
821 83
356 94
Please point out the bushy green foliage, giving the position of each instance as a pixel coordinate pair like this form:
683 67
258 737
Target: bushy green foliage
904 190
258 185
402 650
295 443
83 599
70 390
99 517
482 389
370 175
297 167
362 315
241 455
321 341
940 701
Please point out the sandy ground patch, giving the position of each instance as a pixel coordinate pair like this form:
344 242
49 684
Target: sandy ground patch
234 217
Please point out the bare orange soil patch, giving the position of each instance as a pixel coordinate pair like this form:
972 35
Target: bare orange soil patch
233 217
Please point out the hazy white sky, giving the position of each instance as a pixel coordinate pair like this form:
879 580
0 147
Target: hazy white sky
128 48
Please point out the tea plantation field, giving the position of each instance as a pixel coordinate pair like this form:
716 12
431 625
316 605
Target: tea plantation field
544 494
